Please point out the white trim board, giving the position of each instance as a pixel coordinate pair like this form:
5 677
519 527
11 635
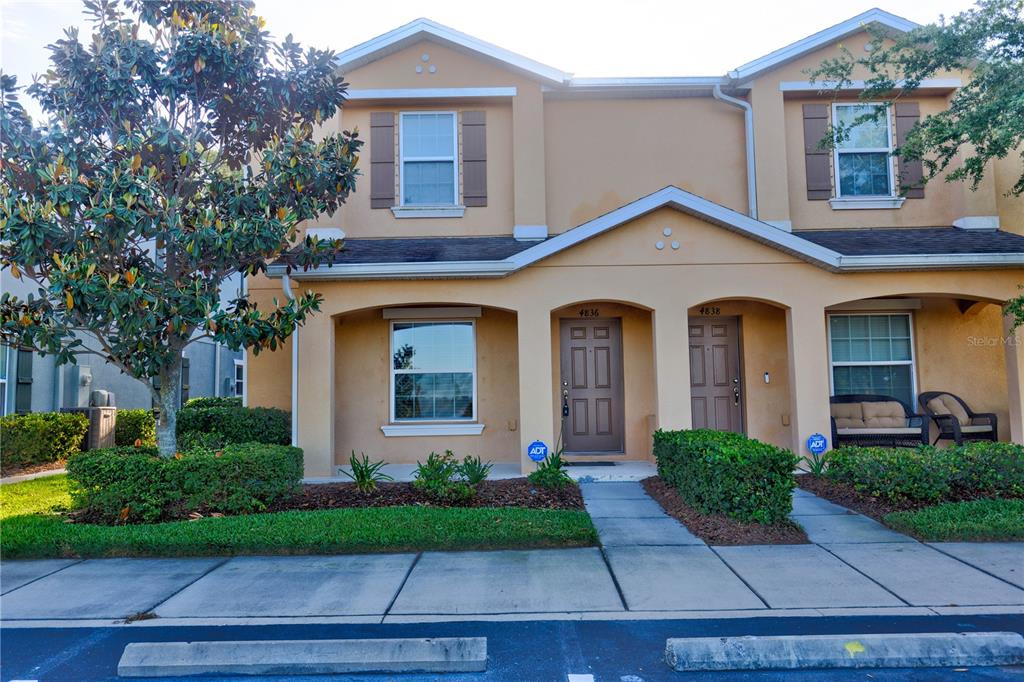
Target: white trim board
392 430
826 86
820 39
422 28
361 94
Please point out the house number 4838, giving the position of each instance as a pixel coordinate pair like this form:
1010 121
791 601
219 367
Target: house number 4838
710 310
590 312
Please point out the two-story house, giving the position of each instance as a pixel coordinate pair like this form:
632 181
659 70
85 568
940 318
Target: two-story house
532 256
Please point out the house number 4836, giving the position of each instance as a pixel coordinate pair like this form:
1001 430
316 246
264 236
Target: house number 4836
710 310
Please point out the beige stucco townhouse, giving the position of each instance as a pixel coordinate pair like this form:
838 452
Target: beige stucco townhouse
532 256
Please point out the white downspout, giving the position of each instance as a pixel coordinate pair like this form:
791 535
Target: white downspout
748 120
286 285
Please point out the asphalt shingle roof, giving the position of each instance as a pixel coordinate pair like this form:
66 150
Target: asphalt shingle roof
914 241
429 249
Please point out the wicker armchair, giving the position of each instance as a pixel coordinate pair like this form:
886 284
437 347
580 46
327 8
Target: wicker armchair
956 421
876 420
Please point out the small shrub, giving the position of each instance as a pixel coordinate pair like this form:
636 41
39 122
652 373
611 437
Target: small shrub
135 485
437 479
135 425
719 472
238 424
474 470
551 472
205 402
816 464
41 437
366 474
931 474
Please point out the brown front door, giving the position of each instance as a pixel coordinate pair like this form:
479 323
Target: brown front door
715 383
591 386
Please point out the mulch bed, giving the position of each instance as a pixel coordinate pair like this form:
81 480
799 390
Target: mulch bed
14 470
717 529
512 492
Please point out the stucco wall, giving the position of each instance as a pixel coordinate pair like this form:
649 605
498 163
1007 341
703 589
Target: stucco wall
362 393
963 353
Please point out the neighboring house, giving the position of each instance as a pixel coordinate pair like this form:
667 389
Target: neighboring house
30 382
532 256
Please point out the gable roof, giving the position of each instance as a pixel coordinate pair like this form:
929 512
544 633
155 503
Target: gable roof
445 257
419 29
820 39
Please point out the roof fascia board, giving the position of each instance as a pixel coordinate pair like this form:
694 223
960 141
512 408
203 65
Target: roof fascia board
364 94
493 268
398 38
825 86
819 39
944 261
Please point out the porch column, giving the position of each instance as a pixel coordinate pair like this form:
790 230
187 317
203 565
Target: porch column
536 405
1014 351
672 366
316 395
808 375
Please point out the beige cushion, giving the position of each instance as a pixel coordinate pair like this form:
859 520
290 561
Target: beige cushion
976 428
847 415
947 404
884 415
895 430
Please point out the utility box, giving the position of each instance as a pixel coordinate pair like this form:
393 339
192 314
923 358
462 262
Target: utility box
102 421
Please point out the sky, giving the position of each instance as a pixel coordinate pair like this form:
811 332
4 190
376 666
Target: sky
583 37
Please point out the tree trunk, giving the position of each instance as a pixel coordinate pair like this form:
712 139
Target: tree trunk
167 398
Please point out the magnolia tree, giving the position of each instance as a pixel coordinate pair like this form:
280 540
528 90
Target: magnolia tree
985 117
178 152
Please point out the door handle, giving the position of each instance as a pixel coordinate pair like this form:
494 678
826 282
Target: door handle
736 395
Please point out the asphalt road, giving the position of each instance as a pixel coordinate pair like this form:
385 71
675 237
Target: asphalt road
611 651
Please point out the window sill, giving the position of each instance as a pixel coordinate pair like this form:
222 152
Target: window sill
848 203
452 429
428 211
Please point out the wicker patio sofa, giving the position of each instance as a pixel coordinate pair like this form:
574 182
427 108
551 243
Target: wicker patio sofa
956 421
876 420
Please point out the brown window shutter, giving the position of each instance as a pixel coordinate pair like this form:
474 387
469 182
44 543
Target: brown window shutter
382 159
816 159
911 172
474 158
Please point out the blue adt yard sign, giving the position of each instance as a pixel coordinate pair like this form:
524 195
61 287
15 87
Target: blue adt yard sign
817 443
537 451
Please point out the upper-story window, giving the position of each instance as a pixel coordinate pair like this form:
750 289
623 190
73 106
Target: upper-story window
863 161
428 145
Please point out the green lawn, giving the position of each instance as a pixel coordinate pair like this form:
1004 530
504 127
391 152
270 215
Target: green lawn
963 521
30 528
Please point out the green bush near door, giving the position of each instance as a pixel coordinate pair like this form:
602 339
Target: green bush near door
41 437
216 426
718 472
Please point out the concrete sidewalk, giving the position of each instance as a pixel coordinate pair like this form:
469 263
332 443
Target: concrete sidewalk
648 567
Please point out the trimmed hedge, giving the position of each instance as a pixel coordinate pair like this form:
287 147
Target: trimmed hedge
719 472
41 437
932 474
136 485
204 402
223 425
135 425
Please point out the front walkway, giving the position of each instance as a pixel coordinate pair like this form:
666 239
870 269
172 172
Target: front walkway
648 567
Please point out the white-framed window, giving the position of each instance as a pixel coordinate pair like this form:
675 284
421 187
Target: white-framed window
433 370
4 368
428 144
239 377
863 161
872 353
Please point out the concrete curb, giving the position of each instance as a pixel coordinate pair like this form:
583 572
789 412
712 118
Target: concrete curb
793 652
304 657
